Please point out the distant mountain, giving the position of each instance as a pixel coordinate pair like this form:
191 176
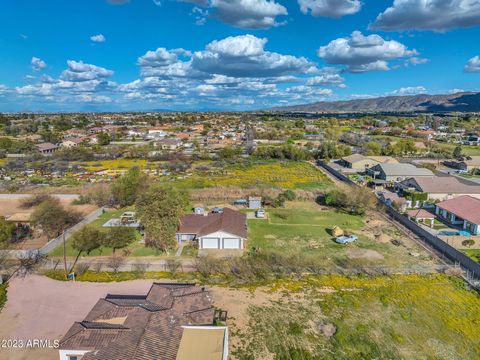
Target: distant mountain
468 102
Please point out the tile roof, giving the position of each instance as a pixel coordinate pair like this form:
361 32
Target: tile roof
466 207
230 221
46 146
445 185
144 327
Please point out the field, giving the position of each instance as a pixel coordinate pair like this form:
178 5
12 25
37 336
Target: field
114 165
302 230
335 317
287 175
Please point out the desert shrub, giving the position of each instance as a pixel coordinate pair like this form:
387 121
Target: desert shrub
97 267
207 266
82 268
34 200
115 263
140 268
173 265
468 242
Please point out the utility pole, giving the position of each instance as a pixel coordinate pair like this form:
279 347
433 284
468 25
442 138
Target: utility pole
64 253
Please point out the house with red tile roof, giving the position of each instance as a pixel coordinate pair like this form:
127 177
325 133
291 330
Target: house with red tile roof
221 230
462 211
166 324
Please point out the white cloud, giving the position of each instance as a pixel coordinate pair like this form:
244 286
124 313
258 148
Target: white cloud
361 53
248 14
436 15
100 38
473 65
92 98
454 91
417 61
326 79
38 64
245 56
330 8
79 71
412 90
244 14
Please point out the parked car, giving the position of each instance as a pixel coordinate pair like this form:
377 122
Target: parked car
260 213
217 210
346 239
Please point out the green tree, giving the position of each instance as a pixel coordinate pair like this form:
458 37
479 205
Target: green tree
6 231
87 239
52 218
457 152
103 139
229 152
159 210
373 148
119 237
126 188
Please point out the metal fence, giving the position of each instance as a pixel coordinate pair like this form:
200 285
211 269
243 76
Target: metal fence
335 173
472 268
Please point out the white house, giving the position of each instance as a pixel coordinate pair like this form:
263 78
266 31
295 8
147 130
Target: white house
225 230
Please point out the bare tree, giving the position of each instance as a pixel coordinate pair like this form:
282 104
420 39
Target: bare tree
115 263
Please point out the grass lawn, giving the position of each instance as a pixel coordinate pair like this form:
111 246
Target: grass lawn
303 230
287 174
474 254
400 317
437 224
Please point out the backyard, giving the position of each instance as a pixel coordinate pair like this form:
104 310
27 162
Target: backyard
303 230
135 249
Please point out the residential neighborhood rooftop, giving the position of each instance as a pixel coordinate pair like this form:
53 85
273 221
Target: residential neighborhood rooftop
230 221
466 207
141 327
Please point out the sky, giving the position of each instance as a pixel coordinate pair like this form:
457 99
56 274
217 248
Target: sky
187 55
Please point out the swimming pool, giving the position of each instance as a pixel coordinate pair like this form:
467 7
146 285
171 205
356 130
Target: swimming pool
454 233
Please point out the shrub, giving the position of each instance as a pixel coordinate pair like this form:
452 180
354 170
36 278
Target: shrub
82 268
34 200
115 263
173 265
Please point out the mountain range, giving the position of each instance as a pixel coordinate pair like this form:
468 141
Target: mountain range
464 102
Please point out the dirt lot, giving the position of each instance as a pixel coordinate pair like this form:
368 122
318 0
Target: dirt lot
11 204
42 308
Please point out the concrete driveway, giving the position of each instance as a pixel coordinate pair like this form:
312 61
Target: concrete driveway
44 309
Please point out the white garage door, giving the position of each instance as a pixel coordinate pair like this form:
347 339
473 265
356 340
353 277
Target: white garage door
210 243
231 243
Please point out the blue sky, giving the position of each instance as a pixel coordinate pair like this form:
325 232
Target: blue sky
103 55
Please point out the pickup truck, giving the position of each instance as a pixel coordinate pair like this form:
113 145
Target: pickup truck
346 239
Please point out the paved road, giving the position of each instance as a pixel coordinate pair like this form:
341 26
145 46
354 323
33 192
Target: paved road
23 196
